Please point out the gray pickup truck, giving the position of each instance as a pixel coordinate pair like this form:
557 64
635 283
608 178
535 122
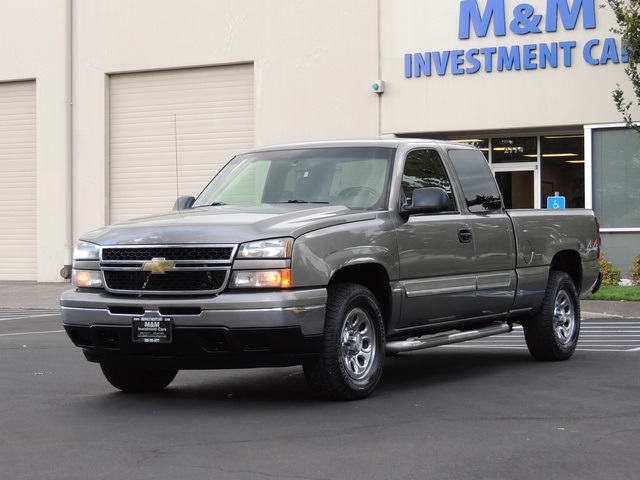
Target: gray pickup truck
329 255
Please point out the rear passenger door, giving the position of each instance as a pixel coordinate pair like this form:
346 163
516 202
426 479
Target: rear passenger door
436 259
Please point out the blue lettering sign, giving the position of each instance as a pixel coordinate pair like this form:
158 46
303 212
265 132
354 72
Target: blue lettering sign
567 48
525 20
509 59
569 15
548 55
609 52
529 56
470 14
471 57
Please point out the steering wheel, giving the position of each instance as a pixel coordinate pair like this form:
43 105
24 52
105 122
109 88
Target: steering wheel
359 191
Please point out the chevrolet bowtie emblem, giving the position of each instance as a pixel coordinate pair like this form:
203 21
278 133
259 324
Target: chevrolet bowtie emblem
158 266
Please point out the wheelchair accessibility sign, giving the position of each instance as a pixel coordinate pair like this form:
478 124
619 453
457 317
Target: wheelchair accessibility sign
555 203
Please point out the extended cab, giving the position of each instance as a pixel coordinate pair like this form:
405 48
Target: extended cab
329 255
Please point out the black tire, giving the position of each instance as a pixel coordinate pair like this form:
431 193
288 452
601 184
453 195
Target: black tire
552 333
137 379
352 357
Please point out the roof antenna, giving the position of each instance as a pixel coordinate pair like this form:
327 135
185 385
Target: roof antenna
175 137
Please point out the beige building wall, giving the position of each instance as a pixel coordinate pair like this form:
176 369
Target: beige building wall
314 62
34 45
515 100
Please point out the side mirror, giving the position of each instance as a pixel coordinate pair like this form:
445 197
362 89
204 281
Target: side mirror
426 200
183 202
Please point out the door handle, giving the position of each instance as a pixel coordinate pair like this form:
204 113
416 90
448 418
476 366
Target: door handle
464 235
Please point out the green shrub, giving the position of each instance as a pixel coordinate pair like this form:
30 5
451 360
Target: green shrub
610 275
634 271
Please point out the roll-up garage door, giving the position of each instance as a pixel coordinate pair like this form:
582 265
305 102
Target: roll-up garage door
196 118
18 219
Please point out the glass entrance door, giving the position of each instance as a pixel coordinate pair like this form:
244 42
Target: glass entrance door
517 188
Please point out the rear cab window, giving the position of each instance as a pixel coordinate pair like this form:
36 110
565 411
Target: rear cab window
479 187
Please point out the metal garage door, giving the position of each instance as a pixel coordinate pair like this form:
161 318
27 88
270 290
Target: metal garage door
202 115
18 254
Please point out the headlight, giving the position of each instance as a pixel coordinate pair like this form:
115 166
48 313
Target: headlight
279 278
86 251
272 248
85 258
87 278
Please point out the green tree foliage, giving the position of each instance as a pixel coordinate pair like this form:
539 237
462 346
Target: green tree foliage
627 13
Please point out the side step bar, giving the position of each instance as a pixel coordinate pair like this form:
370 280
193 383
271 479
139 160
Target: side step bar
446 338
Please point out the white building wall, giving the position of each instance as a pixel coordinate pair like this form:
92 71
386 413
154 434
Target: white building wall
313 61
34 46
482 101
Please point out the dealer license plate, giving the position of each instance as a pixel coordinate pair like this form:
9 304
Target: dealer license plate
152 329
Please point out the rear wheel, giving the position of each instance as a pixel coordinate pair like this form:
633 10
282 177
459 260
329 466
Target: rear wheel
552 333
137 379
350 363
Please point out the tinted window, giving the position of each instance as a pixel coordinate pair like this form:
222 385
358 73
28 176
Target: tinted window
479 187
424 168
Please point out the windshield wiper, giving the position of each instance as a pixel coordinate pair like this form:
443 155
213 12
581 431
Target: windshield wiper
297 200
214 204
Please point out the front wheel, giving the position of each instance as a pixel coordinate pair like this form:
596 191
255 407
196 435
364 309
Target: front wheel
350 363
552 333
137 379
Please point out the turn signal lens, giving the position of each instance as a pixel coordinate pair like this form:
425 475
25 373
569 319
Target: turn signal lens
262 278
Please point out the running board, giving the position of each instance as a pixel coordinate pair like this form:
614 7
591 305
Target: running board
446 338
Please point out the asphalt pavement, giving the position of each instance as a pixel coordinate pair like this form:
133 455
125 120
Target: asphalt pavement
40 295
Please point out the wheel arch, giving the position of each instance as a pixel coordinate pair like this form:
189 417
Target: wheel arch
568 261
372 276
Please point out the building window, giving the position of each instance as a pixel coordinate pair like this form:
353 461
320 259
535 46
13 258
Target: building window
562 168
616 177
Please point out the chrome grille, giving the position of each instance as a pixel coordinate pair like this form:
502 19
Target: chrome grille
193 269
127 254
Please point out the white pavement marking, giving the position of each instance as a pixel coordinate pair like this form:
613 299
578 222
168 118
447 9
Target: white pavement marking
29 316
29 333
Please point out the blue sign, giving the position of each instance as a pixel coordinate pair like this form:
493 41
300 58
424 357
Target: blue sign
526 21
555 203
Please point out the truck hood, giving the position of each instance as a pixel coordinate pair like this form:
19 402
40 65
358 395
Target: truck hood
226 224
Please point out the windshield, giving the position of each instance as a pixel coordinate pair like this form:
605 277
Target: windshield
355 177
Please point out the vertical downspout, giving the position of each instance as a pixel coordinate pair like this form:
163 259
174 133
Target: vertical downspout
68 164
379 66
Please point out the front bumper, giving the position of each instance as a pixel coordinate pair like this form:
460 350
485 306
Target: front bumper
228 331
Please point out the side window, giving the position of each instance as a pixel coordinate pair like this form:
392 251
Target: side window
480 189
424 168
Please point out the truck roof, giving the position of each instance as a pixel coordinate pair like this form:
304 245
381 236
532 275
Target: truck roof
387 142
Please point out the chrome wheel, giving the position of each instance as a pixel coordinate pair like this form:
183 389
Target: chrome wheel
349 365
358 344
564 318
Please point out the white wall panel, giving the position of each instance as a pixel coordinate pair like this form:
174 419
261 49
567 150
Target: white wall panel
202 115
18 217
